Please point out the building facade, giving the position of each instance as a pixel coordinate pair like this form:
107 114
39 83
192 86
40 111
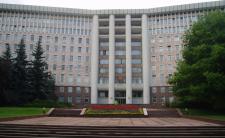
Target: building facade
105 56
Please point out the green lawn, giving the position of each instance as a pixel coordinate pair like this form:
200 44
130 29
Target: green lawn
6 112
205 114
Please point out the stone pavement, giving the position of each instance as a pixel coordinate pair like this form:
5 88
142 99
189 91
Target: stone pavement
81 121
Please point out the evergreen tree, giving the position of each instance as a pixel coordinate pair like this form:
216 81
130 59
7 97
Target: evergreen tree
20 76
6 74
39 74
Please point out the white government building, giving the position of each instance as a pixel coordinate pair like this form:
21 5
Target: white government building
103 56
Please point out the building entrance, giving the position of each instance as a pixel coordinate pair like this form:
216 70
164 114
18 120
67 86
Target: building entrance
120 97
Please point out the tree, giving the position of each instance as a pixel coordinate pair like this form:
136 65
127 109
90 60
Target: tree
6 76
40 80
200 77
20 76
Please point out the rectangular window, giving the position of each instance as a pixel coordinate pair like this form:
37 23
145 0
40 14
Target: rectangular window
62 77
162 89
69 99
79 49
63 58
61 89
71 58
80 40
63 67
56 39
54 66
70 89
78 90
70 67
71 49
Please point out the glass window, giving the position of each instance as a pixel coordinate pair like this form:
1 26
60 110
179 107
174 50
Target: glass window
69 99
61 89
62 77
80 40
61 98
162 89
154 89
78 90
70 89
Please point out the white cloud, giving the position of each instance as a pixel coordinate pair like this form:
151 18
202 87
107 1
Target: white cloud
104 4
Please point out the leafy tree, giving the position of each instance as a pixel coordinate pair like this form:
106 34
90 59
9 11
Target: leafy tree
200 77
6 74
40 80
20 76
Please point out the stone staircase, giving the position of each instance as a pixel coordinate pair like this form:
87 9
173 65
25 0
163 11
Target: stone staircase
27 131
163 112
59 112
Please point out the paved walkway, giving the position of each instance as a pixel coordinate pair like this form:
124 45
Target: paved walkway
77 121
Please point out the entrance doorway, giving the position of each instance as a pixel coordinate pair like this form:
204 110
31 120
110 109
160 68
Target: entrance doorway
120 97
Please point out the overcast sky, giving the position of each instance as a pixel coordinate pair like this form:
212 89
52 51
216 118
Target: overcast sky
104 4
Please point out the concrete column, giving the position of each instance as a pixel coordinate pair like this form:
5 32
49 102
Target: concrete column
111 59
94 61
145 60
128 61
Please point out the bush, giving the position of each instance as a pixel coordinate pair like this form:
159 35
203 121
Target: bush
47 104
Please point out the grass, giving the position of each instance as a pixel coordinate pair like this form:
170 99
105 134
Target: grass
6 112
205 114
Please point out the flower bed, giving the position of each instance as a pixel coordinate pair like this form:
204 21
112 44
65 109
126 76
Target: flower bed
114 107
114 111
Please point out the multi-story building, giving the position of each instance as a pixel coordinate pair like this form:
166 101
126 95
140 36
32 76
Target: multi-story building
103 56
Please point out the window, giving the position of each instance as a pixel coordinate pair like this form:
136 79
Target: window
154 89
161 58
86 100
72 40
80 40
78 90
47 48
70 78
79 58
87 41
63 58
79 49
169 48
71 49
32 38
78 99
154 99
48 38
62 77
160 49
56 48
104 61
56 39
71 58
31 47
87 49
162 89
64 38
70 89
69 99
86 90
61 98
170 89
63 67
87 58
54 66
70 67
61 89
63 48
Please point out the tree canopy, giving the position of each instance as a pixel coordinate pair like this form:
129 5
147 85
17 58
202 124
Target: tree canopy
200 77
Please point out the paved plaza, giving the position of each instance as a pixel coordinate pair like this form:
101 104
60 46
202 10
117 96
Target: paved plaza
80 121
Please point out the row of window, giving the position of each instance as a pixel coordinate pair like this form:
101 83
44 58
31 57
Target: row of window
71 99
70 58
70 89
120 79
162 58
162 89
168 48
34 38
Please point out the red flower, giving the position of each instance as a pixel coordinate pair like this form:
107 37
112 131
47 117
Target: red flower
114 107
